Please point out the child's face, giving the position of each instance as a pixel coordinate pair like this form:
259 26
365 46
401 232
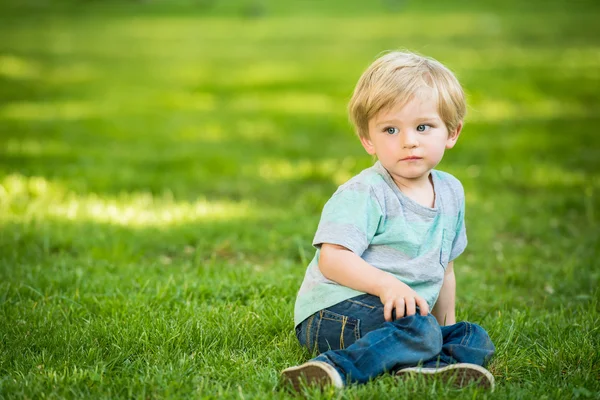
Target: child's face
410 141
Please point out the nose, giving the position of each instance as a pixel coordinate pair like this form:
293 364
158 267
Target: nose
409 140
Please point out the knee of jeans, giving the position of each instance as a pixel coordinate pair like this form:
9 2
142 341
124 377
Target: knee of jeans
434 333
480 337
429 333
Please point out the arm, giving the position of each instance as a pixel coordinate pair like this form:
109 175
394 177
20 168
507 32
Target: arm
444 310
343 266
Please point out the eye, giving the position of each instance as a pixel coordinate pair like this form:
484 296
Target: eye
391 130
423 127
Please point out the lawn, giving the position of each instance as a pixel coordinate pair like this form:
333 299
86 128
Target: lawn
163 166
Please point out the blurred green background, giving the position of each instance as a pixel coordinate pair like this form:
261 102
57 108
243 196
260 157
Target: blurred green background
165 163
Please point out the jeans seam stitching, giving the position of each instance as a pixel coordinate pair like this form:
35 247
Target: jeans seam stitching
467 337
318 329
342 344
308 326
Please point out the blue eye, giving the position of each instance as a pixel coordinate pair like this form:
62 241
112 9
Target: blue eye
391 130
422 128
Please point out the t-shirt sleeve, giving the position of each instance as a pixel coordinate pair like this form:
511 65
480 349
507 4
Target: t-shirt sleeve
460 239
350 219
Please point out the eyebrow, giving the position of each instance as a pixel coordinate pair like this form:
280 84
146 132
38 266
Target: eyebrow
420 119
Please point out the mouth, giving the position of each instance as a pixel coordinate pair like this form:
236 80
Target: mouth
411 158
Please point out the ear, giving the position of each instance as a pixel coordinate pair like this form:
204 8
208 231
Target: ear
368 145
453 136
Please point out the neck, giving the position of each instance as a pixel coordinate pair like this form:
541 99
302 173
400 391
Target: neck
420 183
419 189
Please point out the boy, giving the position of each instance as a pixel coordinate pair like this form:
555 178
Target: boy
387 239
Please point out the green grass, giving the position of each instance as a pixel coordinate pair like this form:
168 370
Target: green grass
163 166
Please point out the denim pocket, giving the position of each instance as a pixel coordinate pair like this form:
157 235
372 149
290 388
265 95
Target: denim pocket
447 240
334 331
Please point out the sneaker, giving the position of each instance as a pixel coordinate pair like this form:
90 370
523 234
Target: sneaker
315 373
461 374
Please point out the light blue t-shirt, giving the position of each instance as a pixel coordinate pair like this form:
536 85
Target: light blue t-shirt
370 216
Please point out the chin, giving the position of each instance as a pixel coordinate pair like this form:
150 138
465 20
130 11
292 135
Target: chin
408 176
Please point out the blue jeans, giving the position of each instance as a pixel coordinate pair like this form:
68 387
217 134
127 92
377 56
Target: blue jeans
354 337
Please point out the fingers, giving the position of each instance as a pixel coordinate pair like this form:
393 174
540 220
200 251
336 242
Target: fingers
399 305
410 306
405 306
423 306
387 310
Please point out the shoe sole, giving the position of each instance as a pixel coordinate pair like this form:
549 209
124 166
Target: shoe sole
308 374
460 375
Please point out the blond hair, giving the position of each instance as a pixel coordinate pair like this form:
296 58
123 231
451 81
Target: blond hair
397 77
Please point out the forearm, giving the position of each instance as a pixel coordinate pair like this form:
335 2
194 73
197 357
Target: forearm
444 310
348 269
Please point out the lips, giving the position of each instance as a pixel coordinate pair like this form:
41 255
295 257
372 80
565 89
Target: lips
411 158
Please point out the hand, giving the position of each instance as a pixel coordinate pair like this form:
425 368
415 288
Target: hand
399 296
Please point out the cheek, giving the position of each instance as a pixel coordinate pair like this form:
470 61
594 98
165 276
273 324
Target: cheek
392 147
436 150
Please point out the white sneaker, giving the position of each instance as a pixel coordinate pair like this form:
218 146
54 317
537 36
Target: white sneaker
316 373
461 374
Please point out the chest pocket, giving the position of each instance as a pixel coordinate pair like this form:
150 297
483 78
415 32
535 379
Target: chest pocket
447 241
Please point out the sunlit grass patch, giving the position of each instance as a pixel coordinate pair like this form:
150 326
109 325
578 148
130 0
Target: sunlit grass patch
292 103
183 101
144 210
18 68
21 68
64 110
35 147
38 198
339 171
542 108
